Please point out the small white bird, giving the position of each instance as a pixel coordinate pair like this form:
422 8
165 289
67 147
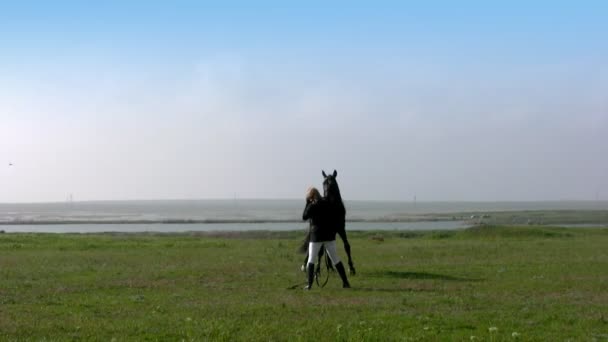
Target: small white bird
10 164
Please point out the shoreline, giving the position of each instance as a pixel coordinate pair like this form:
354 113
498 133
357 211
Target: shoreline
297 234
213 221
372 235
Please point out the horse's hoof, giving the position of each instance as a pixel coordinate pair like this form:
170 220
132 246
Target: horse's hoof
352 271
307 287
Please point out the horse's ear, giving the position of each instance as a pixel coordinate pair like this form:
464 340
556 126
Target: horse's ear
335 173
323 173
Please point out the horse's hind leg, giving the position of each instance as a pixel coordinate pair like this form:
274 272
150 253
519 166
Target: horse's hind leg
351 265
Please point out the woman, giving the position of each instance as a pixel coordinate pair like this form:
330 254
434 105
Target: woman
322 234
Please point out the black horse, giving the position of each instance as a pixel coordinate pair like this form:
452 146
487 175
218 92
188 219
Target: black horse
331 193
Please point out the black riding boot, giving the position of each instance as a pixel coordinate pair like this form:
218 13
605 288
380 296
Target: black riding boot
342 273
310 274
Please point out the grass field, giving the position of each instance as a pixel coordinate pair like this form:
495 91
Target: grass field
485 283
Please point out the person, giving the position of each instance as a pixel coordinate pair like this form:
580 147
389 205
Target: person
322 234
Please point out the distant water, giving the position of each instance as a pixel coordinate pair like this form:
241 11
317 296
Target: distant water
245 214
257 210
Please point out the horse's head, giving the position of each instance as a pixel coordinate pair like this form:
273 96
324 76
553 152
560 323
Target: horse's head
330 185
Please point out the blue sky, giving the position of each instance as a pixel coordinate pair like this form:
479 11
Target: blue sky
446 100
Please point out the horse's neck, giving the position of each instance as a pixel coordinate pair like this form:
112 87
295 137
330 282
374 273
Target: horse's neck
333 198
334 194
336 199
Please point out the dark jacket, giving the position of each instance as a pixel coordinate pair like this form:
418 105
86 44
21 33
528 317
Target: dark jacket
321 226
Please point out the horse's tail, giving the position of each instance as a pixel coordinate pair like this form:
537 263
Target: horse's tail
304 245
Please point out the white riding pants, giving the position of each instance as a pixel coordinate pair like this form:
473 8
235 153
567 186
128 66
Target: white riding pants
330 247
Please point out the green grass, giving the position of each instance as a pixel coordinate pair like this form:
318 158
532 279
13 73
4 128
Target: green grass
543 283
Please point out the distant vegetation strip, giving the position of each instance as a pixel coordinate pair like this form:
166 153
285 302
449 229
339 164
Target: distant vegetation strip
529 217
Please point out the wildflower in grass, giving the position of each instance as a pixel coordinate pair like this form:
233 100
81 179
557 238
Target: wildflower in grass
515 334
188 319
492 329
426 328
473 338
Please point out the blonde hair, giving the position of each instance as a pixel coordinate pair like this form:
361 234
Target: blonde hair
312 194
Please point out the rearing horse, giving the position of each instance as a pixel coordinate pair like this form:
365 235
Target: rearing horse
331 192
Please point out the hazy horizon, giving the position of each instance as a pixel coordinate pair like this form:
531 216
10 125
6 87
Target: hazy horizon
442 101
76 201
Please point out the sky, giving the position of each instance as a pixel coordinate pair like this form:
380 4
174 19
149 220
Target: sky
441 100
